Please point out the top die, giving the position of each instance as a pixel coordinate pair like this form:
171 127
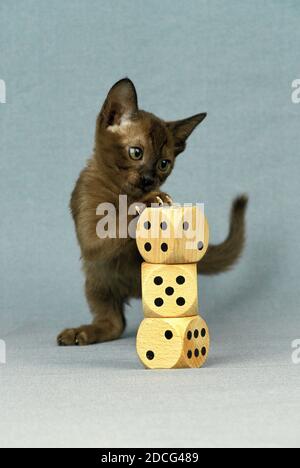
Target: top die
172 235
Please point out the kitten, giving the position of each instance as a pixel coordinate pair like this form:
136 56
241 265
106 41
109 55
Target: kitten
134 154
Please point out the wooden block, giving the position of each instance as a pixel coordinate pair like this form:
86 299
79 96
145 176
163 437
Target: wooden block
172 234
169 290
173 342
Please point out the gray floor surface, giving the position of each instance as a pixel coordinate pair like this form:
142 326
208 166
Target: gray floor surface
246 396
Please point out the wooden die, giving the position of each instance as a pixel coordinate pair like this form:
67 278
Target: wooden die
173 234
169 290
173 342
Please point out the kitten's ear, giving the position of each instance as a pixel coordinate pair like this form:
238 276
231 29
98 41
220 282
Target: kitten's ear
182 129
120 105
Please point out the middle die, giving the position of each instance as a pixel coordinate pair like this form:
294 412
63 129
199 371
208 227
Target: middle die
169 290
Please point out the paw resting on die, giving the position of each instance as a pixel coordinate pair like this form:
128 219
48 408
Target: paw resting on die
156 199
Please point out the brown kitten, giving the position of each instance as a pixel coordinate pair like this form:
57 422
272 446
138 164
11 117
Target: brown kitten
134 153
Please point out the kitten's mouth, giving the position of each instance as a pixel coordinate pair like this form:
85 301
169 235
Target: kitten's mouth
147 189
140 188
132 189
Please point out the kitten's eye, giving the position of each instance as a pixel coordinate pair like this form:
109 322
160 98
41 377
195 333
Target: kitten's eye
135 153
164 165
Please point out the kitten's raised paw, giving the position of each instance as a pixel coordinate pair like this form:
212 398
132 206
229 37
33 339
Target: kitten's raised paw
154 199
158 198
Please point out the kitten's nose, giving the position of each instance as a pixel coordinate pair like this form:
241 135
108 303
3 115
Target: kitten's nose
147 181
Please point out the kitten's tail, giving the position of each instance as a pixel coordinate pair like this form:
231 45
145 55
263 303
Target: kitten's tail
222 257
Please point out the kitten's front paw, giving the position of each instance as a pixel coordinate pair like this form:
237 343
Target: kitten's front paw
158 198
154 198
73 337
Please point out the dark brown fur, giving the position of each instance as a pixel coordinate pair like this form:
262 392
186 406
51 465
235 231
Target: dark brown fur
112 266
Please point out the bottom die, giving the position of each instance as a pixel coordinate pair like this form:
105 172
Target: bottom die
166 343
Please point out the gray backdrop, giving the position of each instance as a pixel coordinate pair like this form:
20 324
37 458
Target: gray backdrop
234 59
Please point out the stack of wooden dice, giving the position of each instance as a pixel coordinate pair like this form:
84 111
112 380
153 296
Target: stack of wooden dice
172 240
